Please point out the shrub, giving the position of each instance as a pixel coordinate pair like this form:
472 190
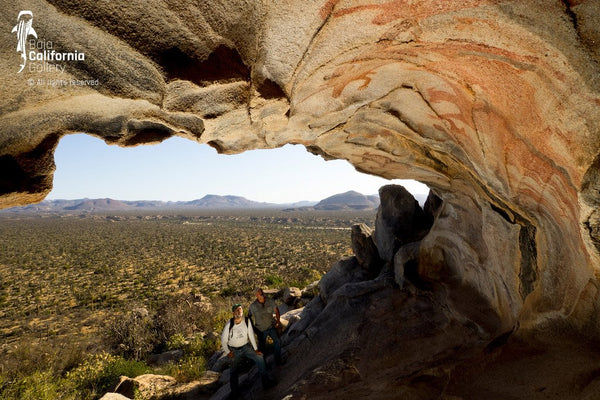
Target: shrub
273 280
202 347
221 318
181 316
188 369
228 291
40 385
177 341
100 373
132 335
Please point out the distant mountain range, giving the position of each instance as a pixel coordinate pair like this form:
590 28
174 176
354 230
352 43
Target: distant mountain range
344 201
210 201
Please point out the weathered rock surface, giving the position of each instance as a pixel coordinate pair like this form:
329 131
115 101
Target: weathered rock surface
494 104
114 396
364 248
400 220
291 295
166 357
164 387
148 386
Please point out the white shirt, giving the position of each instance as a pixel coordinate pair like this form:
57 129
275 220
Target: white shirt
240 335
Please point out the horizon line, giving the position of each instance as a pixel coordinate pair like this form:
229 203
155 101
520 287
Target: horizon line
220 195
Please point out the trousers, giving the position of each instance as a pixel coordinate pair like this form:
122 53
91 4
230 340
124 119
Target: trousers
239 354
262 342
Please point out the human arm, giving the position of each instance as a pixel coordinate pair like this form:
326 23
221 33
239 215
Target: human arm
277 318
251 337
250 313
225 339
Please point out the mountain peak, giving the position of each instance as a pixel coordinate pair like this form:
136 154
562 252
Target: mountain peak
350 200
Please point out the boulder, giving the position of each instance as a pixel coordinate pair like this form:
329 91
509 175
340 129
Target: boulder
114 396
284 308
291 295
207 384
166 357
147 385
218 362
343 272
308 314
159 387
311 290
289 318
209 381
127 387
406 262
364 248
399 220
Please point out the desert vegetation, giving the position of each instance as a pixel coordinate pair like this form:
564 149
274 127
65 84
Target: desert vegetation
86 298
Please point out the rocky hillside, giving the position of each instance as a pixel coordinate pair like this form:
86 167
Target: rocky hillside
375 327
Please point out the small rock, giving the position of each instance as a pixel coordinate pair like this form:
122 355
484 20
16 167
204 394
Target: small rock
291 295
166 357
289 318
311 290
140 312
148 385
114 396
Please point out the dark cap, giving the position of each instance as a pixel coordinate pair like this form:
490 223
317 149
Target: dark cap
235 306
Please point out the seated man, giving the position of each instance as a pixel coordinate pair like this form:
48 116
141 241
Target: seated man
261 312
237 341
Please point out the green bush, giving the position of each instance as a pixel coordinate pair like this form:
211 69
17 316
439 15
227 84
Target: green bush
229 291
177 341
40 385
94 377
100 373
188 369
202 347
273 280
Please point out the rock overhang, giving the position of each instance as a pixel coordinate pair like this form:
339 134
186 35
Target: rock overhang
493 104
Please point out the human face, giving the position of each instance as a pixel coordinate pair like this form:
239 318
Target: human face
260 296
238 313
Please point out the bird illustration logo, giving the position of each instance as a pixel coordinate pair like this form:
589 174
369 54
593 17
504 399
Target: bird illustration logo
23 29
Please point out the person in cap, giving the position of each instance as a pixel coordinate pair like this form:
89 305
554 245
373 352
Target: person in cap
238 342
266 320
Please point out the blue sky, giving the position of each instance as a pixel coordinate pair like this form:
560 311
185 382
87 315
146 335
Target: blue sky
181 170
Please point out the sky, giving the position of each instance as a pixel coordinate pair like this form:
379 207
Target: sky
181 170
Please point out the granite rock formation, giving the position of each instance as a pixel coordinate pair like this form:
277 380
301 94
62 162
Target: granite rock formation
494 104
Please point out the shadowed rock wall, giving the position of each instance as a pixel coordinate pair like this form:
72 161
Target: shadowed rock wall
494 104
